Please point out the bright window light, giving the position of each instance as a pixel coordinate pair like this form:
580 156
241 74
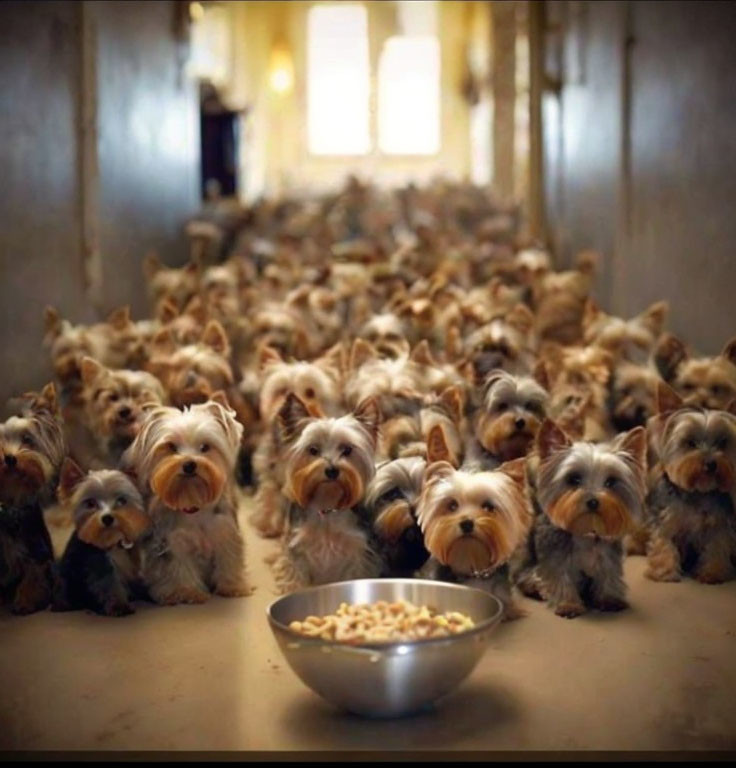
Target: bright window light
338 80
409 96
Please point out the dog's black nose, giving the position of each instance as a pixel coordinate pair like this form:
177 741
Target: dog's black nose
125 413
592 504
189 468
520 423
466 526
640 413
107 519
10 461
710 467
332 473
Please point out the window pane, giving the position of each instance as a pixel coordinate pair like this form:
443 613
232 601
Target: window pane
338 80
409 96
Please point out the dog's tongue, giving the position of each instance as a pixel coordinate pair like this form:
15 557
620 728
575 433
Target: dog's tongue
189 510
125 544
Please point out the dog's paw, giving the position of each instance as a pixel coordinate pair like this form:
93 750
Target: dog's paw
662 574
234 590
570 610
713 575
114 608
513 611
184 595
611 604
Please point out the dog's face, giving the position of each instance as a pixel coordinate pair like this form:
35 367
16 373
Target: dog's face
631 340
106 507
707 382
31 449
697 446
633 395
588 488
386 334
170 283
498 345
280 328
329 462
472 522
512 410
115 400
186 458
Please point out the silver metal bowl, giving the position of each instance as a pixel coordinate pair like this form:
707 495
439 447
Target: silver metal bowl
384 679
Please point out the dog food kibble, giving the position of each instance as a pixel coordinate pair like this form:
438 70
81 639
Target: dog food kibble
382 622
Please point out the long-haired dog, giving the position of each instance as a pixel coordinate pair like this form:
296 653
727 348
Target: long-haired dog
32 449
691 504
101 567
473 523
509 416
329 464
392 499
184 463
115 401
586 497
316 385
386 333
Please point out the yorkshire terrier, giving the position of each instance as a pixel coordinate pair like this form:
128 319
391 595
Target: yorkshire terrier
632 395
708 382
507 421
691 504
31 452
328 466
184 462
586 498
386 333
473 522
100 567
392 499
115 402
170 283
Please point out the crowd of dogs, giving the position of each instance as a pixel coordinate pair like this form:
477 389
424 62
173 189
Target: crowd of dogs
405 385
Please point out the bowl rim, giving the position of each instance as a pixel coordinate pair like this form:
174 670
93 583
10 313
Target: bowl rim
392 645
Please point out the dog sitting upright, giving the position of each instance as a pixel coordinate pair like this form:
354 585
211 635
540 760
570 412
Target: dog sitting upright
691 504
329 463
100 567
184 462
31 451
473 523
586 497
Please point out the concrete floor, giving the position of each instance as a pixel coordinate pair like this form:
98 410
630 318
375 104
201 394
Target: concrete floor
660 676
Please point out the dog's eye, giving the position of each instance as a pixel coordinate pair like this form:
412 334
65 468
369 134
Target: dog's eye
717 389
452 505
27 440
722 444
574 480
90 503
393 494
314 450
487 506
113 397
309 393
172 447
346 450
610 482
626 391
502 407
121 501
204 448
691 443
688 387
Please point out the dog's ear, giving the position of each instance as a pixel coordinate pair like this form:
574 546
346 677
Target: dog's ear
69 478
197 310
333 360
215 338
591 313
163 342
167 310
729 351
634 442
731 407
151 265
668 400
669 353
267 357
540 375
45 400
90 369
452 401
422 354
119 318
360 353
551 439
654 317
453 343
437 448
52 324
291 418
437 470
368 413
587 261
192 267
516 470
521 318
221 397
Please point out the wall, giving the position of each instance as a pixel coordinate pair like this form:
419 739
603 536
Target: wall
146 183
640 155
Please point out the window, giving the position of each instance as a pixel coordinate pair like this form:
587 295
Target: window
338 80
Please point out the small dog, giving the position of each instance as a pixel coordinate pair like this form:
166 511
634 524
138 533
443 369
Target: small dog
632 395
586 497
184 463
507 421
32 449
329 464
392 499
115 402
708 382
100 567
473 523
691 504
386 333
